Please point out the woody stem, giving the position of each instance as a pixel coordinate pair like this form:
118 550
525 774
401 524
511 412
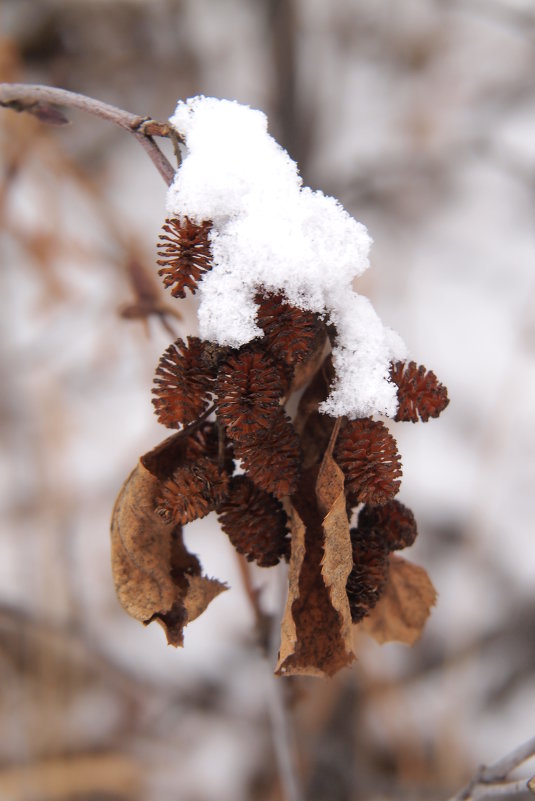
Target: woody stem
35 99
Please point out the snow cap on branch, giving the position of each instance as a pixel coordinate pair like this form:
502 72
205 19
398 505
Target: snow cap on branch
270 232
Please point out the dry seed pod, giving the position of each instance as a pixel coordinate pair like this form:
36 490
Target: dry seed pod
192 492
367 453
393 521
182 384
368 577
255 523
291 334
273 460
420 393
185 254
249 387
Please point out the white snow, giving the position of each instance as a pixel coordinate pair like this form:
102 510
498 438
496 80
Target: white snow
271 232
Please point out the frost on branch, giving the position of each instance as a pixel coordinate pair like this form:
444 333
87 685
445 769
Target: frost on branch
272 263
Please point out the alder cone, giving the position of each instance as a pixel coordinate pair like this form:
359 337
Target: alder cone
420 393
291 334
182 384
249 387
192 492
367 453
185 254
369 575
393 521
273 460
255 523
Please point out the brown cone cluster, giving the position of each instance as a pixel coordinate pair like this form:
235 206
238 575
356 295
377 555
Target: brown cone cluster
282 488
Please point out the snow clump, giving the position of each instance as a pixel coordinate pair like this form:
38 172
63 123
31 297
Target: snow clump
271 232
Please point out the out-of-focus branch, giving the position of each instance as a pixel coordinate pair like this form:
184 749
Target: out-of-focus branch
42 102
491 780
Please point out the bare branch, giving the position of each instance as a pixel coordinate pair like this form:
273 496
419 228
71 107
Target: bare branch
41 100
491 780
500 769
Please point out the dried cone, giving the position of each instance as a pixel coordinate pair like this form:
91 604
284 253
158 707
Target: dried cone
393 521
182 384
208 440
367 453
273 459
192 492
249 387
291 334
185 254
255 523
420 393
368 577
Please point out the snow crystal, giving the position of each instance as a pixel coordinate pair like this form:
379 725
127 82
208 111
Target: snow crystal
271 232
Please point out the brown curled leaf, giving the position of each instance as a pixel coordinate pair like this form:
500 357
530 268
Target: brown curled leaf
155 577
337 559
404 606
316 627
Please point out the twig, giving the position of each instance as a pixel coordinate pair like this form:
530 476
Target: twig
42 100
262 620
491 780
283 744
282 731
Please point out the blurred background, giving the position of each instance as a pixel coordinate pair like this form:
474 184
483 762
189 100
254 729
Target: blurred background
420 116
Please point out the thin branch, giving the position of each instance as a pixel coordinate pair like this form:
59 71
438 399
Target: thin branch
503 788
42 100
253 596
491 780
283 740
500 769
282 730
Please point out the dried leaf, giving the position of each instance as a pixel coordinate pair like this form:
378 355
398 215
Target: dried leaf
288 625
316 628
337 560
155 577
404 606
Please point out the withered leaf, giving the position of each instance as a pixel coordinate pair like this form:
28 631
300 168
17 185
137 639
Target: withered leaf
316 628
155 577
404 606
337 561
